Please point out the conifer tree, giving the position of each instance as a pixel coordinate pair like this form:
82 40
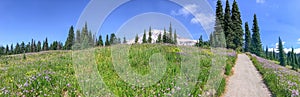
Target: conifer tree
150 36
113 39
274 54
267 52
7 50
247 38
165 36
11 49
70 39
229 34
78 36
144 37
237 26
175 37
45 44
23 47
169 37
281 53
256 46
124 40
39 46
107 41
159 40
218 36
17 49
100 41
136 39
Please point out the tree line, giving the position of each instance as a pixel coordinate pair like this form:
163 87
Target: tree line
285 58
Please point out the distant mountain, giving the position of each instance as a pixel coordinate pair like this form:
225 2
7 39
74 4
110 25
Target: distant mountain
155 33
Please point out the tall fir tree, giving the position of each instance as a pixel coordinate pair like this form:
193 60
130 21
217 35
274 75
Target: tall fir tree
267 52
150 36
70 39
175 37
218 36
100 41
7 50
107 41
77 40
45 45
169 37
144 37
247 38
281 53
256 46
23 47
159 40
39 44
165 36
237 26
124 40
136 39
229 34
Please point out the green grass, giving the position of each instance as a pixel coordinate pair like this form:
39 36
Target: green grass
183 71
281 81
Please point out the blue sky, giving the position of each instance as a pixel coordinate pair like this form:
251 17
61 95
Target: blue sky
38 19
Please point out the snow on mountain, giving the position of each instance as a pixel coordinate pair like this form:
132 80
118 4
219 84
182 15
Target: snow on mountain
155 33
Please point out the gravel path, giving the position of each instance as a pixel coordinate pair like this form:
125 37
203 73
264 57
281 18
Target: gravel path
246 80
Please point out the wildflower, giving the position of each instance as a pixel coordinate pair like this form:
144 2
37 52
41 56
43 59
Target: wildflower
47 78
295 93
68 85
26 84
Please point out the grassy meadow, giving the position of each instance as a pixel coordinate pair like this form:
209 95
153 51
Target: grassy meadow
122 70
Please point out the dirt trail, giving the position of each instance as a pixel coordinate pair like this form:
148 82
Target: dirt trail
246 80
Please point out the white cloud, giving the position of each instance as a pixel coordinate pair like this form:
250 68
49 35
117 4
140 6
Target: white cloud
298 41
205 19
260 1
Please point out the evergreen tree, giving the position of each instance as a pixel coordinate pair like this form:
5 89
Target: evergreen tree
70 39
159 40
2 50
150 36
165 36
136 39
281 53
229 34
169 37
124 40
256 46
113 39
267 52
237 26
11 49
45 44
274 54
28 47
39 46
218 37
247 38
23 47
175 37
293 60
7 50
100 42
144 37
77 36
200 42
17 49
106 41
